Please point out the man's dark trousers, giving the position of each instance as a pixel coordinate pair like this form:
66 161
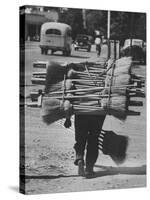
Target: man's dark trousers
87 130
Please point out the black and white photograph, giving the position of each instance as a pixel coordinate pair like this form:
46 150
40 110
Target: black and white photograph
82 99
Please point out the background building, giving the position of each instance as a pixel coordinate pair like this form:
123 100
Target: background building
35 16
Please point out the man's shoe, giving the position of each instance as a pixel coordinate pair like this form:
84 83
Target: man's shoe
81 168
89 173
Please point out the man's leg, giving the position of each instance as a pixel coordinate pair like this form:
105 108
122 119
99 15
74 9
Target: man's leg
96 124
99 50
81 133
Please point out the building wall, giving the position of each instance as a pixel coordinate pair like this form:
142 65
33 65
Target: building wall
34 20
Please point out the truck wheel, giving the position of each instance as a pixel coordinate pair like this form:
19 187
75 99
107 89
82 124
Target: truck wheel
46 51
64 53
68 53
89 49
42 51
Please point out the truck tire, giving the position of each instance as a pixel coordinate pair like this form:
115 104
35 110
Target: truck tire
89 49
68 53
45 51
42 51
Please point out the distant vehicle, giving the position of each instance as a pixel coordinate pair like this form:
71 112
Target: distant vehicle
134 48
133 42
56 37
83 42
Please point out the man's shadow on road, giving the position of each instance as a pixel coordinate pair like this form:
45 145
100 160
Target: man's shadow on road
105 171
109 170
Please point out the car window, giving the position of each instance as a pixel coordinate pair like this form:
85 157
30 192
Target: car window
53 32
137 42
84 38
134 42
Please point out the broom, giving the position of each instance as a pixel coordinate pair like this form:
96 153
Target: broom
55 73
116 106
54 109
113 145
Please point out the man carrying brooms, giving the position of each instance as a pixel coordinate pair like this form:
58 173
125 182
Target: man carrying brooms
89 118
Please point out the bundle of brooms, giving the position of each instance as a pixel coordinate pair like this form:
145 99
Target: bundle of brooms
91 89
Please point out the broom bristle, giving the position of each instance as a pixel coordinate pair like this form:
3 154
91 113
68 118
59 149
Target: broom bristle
123 61
123 79
76 66
122 66
60 86
55 87
54 109
55 73
117 106
51 111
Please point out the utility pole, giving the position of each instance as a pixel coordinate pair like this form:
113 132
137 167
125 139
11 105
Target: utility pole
108 32
84 18
108 24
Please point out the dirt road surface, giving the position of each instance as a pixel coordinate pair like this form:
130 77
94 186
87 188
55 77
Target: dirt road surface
49 152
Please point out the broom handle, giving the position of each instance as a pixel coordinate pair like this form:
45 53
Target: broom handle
80 90
87 109
82 86
91 73
88 78
83 73
85 80
78 97
93 89
98 73
86 103
95 71
87 106
64 87
98 64
89 85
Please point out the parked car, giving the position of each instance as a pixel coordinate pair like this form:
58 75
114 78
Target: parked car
83 41
56 37
134 48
